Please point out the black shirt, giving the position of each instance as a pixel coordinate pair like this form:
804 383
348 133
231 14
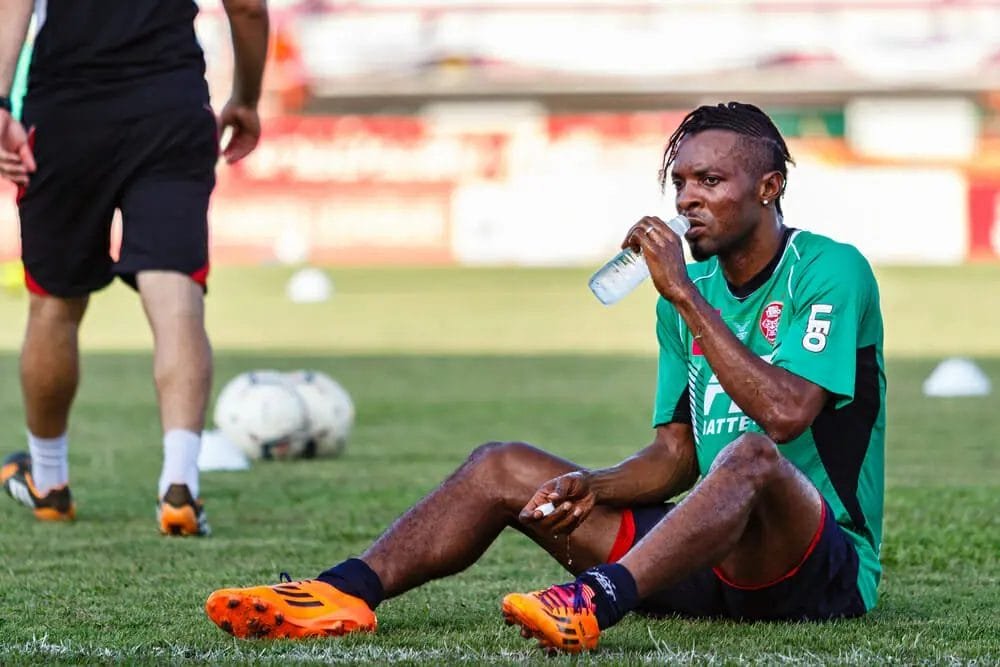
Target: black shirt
115 58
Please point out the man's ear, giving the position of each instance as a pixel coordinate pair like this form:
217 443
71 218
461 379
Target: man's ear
770 186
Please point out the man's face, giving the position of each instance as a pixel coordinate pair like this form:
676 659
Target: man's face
715 191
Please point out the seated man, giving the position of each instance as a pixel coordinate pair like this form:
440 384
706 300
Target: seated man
769 410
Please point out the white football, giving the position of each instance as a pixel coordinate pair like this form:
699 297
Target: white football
262 413
330 410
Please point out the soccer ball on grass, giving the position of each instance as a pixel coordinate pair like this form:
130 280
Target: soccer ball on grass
330 411
263 414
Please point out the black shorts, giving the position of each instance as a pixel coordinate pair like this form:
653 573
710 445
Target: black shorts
822 586
158 170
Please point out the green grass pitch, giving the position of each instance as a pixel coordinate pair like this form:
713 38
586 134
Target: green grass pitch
438 361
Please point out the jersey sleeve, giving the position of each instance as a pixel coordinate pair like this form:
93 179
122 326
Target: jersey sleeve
829 299
672 402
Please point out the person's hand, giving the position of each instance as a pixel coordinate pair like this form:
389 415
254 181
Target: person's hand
663 251
573 500
16 158
245 125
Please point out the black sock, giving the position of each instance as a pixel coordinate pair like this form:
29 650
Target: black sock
615 593
354 577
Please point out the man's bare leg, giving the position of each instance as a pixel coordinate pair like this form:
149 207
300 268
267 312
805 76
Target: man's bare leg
753 515
50 374
450 528
50 362
442 534
182 360
182 371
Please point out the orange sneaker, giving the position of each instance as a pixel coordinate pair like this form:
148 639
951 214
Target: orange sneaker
179 513
560 617
289 610
15 475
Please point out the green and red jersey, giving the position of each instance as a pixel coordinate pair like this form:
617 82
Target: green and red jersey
814 311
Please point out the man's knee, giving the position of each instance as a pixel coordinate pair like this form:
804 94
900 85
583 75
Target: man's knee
752 456
50 310
169 296
507 472
498 456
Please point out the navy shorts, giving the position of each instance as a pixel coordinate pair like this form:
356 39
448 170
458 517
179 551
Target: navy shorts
822 586
158 170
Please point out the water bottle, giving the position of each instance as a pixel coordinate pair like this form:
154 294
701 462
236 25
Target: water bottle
627 269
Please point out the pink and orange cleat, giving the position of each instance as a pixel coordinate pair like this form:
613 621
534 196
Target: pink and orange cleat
562 618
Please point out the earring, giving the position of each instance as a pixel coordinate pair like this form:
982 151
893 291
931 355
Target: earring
764 202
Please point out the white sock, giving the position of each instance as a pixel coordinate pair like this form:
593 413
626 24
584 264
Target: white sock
49 461
180 460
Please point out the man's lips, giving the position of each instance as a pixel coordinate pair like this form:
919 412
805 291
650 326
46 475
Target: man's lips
697 227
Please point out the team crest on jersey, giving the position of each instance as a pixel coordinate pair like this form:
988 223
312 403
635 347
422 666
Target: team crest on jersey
769 320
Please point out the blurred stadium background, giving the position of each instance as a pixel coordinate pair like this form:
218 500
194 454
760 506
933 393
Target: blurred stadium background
519 132
459 168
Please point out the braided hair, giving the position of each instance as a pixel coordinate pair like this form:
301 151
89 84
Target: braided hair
763 146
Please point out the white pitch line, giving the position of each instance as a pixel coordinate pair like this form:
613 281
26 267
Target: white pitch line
258 652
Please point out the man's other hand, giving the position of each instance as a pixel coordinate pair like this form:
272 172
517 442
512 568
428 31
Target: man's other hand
573 500
245 125
16 157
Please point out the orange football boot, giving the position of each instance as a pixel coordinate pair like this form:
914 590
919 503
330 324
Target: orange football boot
179 513
289 610
560 617
15 475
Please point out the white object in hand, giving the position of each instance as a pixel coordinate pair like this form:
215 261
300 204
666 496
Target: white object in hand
627 269
546 509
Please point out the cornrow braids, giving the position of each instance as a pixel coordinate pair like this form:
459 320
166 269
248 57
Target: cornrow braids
768 149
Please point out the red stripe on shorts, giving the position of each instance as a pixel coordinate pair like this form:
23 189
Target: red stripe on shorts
625 538
33 286
201 275
788 575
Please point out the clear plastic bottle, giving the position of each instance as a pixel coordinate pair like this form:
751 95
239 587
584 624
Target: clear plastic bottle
627 269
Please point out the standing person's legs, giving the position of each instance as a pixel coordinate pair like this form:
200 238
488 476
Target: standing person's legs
164 255
50 374
182 370
182 355
65 215
444 533
50 363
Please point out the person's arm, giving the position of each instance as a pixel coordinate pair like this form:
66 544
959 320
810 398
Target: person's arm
662 470
15 15
16 157
782 403
249 25
665 468
668 466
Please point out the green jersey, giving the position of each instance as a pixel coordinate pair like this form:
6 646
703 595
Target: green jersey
814 311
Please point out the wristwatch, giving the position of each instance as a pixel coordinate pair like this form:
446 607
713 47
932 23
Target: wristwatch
5 104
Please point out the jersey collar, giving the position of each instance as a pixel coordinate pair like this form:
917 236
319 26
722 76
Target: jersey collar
762 276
